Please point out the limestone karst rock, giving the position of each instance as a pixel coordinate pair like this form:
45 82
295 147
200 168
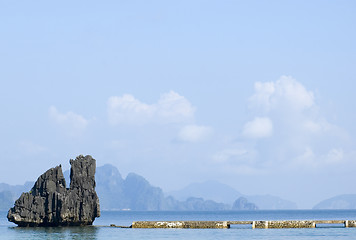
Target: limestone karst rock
50 203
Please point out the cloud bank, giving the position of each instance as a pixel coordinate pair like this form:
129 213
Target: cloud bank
301 134
170 108
292 134
72 123
258 128
285 93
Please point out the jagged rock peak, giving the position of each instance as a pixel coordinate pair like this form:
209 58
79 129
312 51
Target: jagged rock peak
50 181
50 203
82 172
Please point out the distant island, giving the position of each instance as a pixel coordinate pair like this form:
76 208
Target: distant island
220 192
136 193
345 201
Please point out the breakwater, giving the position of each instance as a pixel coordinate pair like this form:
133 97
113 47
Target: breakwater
254 224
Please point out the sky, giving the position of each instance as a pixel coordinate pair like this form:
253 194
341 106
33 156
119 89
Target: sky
258 95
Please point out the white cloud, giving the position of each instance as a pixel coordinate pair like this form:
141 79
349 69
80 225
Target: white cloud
306 160
73 124
228 154
237 160
286 91
174 107
335 155
318 125
260 127
242 170
291 108
170 108
299 135
309 160
127 109
195 133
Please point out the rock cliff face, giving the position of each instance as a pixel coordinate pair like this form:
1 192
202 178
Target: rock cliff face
50 203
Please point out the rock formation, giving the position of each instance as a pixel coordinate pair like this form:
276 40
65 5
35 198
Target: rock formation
50 203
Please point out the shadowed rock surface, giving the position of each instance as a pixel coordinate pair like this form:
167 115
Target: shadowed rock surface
50 203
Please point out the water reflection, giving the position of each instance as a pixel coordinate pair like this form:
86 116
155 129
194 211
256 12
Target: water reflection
75 233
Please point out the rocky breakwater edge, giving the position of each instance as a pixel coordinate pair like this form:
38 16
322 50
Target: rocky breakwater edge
51 204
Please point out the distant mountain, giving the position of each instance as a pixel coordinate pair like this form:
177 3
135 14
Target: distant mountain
346 201
193 204
6 200
224 193
141 195
243 204
16 190
136 193
269 202
9 193
212 190
109 187
199 204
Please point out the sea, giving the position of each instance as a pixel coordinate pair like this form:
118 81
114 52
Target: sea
101 229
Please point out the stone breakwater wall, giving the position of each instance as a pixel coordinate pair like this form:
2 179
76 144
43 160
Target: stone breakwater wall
227 224
180 224
283 224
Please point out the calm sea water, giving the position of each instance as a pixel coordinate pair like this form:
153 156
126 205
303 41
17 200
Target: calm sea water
125 218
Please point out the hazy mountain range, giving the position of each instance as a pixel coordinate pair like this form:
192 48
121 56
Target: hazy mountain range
212 190
346 201
220 192
136 193
9 193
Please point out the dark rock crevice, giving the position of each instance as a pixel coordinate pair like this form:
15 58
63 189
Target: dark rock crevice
50 203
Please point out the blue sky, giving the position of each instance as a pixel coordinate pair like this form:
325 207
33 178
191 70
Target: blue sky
255 94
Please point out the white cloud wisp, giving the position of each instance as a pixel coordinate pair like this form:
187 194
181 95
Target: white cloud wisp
73 124
194 133
260 127
286 92
170 108
298 134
